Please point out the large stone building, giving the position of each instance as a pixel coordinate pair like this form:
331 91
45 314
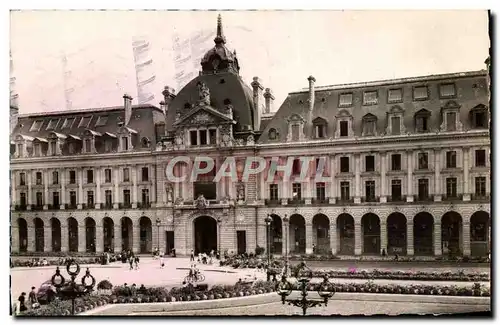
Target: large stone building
406 164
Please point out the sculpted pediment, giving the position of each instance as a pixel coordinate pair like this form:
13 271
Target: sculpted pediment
203 116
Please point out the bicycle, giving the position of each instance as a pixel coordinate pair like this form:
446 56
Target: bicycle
194 278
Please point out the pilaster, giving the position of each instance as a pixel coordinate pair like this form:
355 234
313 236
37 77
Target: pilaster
333 237
47 238
357 237
409 180
357 163
116 182
46 198
383 178
466 238
383 236
134 186
31 237
80 190
437 176
410 250
466 191
437 239
82 239
118 237
98 201
62 172
309 238
64 237
99 238
136 237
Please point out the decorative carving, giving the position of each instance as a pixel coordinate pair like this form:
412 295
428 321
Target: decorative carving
169 191
201 202
177 116
240 217
238 142
240 191
250 140
202 118
229 111
204 93
179 201
179 141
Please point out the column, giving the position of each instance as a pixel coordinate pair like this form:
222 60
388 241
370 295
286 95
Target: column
29 174
82 238
46 198
80 188
184 185
357 173
99 237
136 237
134 186
31 236
14 235
152 198
285 249
307 185
357 236
409 180
466 238
333 236
333 185
466 191
383 235
62 172
98 202
118 237
437 176
309 237
409 237
47 237
64 237
13 194
285 190
116 181
383 180
437 238
263 194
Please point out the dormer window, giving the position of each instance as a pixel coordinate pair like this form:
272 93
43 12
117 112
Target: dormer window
52 124
87 145
273 134
20 150
35 127
84 122
101 121
344 124
53 148
369 125
37 149
451 117
295 128
68 123
345 100
422 121
479 117
124 143
319 128
395 124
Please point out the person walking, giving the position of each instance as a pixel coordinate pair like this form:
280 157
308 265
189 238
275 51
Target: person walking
192 256
136 260
32 298
22 302
131 262
162 261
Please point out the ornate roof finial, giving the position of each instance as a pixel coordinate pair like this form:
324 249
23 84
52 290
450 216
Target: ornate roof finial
220 33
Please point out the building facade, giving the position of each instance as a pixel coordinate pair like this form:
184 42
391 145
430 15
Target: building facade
405 168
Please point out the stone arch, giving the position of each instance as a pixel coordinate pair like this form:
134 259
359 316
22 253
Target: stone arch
480 227
370 230
146 235
396 234
297 234
55 226
108 230
345 234
127 230
39 235
23 234
90 235
451 233
423 234
321 234
72 234
276 235
205 234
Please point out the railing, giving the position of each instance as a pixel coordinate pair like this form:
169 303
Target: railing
296 201
20 207
272 202
370 199
36 207
319 201
428 198
144 205
124 205
457 197
396 199
476 197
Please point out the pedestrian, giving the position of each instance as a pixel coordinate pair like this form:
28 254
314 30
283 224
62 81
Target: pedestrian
136 260
131 262
162 262
22 302
199 257
192 256
133 290
32 297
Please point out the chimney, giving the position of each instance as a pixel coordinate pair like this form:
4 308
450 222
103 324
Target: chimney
127 103
257 95
168 96
268 95
312 80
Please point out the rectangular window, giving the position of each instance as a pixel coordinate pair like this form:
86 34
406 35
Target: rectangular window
37 149
193 137
396 161
451 159
396 125
108 198
420 93
71 148
101 121
447 90
295 132
480 186
23 199
55 200
344 164
320 191
68 123
296 191
203 137
212 134
319 131
395 95
451 187
422 123
72 177
423 160
39 199
145 197
345 100
90 176
55 178
52 124
370 191
145 174
125 143
108 145
39 179
107 175
22 179
396 190
20 150
90 199
480 158
451 119
344 191
126 197
273 191
480 119
126 175
72 198
344 132
35 127
53 147
370 163
84 122
370 97
423 189
369 127
88 144
296 167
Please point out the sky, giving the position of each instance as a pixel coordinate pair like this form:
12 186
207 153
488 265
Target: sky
282 48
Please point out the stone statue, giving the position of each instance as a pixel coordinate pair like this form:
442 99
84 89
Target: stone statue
177 116
240 192
204 93
201 202
169 190
179 201
250 140
178 141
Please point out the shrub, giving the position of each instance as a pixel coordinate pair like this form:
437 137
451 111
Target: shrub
104 285
259 250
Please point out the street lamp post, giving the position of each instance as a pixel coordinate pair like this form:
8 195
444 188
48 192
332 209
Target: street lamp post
158 224
219 222
268 221
286 220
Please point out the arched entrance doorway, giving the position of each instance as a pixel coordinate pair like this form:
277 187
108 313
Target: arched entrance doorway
90 235
480 234
298 234
321 234
146 235
345 234
39 235
72 235
127 229
370 229
451 234
396 234
276 238
423 234
55 224
23 234
205 234
108 229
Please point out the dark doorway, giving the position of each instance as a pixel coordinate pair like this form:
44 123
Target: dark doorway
423 234
345 234
396 234
241 236
127 229
276 235
146 235
73 234
108 234
56 234
169 235
480 234
298 234
205 234
23 235
39 235
90 235
370 224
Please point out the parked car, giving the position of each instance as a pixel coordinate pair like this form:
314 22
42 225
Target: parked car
46 293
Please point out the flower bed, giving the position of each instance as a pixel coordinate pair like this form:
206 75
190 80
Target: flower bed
63 307
259 262
53 262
